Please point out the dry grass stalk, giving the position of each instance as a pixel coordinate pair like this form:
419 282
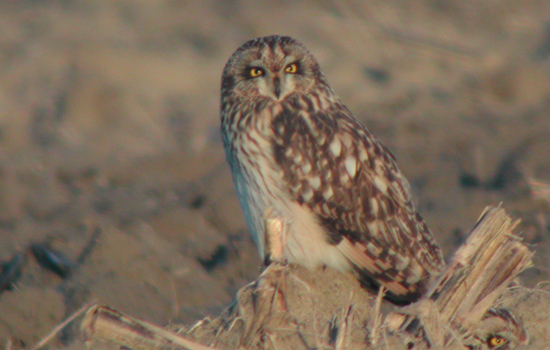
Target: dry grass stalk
57 329
103 323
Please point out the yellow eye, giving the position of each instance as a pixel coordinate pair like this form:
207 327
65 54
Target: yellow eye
255 72
292 68
495 341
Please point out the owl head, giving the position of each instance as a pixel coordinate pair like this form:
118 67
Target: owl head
499 330
272 67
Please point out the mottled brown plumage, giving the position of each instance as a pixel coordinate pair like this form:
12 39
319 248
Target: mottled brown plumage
297 154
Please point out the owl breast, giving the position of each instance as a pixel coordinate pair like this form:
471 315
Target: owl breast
260 185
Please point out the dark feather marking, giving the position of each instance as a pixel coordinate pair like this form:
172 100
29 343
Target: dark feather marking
260 106
228 83
310 107
330 224
371 282
294 103
328 123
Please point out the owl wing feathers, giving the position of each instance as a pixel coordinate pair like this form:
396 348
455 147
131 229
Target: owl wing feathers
333 165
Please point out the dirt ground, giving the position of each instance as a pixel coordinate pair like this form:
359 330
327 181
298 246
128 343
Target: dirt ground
110 152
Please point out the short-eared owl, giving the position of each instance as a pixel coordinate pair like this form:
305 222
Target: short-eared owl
499 330
298 154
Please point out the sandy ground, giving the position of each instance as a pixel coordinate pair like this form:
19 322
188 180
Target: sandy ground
110 152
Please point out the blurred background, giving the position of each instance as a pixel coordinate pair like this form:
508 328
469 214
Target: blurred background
113 182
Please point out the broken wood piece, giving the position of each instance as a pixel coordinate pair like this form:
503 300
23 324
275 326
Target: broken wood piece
459 302
104 323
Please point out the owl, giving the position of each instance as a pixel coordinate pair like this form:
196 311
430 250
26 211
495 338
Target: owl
298 155
499 329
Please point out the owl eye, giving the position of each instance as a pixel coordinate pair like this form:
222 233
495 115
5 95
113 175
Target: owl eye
292 68
255 72
495 341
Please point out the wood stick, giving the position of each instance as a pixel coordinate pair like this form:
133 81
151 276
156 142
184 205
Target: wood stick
102 322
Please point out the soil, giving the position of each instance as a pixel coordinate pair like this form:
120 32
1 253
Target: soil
112 166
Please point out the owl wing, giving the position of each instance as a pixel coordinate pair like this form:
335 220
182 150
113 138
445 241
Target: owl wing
334 166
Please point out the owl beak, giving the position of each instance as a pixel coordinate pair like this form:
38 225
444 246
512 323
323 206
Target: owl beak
277 87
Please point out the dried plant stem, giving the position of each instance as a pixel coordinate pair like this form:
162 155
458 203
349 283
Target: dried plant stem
105 323
60 326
